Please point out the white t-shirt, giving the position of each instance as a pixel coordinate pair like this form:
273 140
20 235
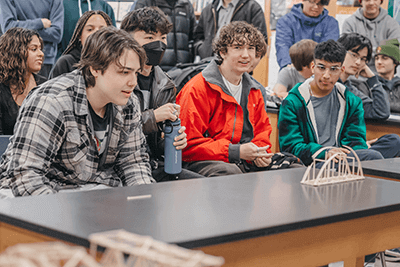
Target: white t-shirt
236 90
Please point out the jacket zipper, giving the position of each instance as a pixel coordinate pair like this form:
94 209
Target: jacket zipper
234 124
175 45
215 21
310 122
236 10
158 94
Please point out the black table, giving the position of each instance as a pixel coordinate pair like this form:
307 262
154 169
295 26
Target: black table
384 168
259 219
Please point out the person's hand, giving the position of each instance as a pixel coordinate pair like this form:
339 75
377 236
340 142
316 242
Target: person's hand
250 151
370 142
280 90
264 161
168 111
46 23
365 72
180 140
337 150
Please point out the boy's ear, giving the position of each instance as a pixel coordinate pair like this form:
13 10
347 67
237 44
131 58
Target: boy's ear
312 66
94 72
222 54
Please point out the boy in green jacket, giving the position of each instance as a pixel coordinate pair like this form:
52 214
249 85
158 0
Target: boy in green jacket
320 112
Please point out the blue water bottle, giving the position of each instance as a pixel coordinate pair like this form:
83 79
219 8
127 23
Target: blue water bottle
173 157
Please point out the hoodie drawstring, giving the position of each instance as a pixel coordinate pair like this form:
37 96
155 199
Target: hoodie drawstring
80 7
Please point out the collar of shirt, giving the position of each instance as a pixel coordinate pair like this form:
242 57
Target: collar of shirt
233 3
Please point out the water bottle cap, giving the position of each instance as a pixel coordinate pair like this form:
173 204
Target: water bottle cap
169 125
176 122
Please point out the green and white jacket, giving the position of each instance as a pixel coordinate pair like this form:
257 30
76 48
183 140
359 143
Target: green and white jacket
297 125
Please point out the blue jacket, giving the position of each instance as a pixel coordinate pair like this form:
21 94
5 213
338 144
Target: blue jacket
296 26
28 14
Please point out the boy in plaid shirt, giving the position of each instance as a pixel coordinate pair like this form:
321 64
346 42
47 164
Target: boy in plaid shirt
82 128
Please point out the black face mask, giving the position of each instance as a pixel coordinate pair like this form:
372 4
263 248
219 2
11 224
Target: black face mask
154 51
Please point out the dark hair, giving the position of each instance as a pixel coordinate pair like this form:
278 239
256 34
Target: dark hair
361 1
302 53
14 45
76 36
105 47
330 51
148 19
356 42
323 2
242 33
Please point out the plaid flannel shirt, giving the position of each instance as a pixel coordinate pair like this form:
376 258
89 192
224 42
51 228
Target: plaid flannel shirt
53 142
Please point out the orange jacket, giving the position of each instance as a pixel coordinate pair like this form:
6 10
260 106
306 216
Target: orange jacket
214 120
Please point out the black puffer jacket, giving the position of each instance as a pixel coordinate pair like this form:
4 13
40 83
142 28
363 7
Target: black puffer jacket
163 91
180 39
246 10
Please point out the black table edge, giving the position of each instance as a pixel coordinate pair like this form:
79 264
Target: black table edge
214 240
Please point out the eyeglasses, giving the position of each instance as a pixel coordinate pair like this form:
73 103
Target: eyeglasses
313 2
357 57
332 70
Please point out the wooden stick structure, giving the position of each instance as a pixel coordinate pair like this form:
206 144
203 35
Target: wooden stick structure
47 254
333 172
123 249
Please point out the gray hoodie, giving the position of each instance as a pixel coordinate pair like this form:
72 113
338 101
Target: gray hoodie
381 28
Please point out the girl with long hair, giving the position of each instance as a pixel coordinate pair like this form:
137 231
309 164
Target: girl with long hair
90 22
21 57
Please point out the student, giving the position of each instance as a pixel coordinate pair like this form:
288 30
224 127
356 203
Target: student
180 39
301 54
375 100
221 12
320 112
223 108
90 22
359 51
155 90
373 22
73 10
387 59
307 20
21 57
44 16
82 128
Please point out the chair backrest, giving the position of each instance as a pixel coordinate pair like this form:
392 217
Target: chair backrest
4 140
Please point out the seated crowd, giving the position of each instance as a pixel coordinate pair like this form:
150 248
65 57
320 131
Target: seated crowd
98 120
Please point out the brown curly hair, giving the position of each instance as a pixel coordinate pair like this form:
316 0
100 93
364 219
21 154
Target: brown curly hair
241 33
13 56
76 36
